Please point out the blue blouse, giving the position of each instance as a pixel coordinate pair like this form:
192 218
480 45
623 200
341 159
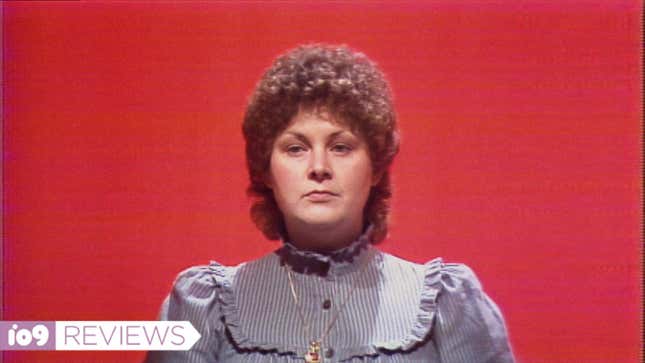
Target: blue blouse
394 310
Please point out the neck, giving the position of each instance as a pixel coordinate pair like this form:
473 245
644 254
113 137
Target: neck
323 238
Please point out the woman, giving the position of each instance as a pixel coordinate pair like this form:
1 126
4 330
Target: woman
320 134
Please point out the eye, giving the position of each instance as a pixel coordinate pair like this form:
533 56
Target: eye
295 150
341 148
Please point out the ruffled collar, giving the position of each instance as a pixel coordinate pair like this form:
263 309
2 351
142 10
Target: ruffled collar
334 263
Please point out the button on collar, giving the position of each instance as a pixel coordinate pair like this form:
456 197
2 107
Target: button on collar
326 304
329 265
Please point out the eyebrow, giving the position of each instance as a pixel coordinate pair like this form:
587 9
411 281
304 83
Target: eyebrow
303 138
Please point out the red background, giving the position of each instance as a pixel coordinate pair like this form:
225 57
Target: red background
123 155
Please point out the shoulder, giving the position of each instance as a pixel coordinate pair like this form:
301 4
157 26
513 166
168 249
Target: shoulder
198 295
457 277
195 282
215 282
463 312
202 280
440 288
436 273
197 290
466 323
421 292
448 283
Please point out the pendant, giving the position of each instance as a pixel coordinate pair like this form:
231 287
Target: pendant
313 355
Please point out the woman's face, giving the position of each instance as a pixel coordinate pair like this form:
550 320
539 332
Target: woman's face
320 173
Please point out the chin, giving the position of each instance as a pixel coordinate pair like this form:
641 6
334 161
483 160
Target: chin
322 220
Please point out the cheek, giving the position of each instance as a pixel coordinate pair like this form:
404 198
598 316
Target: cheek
360 177
282 176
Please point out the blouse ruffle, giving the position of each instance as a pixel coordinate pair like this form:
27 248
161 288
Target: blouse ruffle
426 312
224 276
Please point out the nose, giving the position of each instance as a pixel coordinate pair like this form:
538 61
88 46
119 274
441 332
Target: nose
319 168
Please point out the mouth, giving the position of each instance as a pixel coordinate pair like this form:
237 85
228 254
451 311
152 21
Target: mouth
320 195
320 192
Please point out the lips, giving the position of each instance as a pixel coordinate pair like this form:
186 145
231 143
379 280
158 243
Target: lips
320 195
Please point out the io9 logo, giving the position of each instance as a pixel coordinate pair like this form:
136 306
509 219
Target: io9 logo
24 337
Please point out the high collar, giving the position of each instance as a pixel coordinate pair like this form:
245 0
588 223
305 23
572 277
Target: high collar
328 264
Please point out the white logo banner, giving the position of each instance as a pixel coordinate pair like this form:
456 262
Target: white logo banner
125 335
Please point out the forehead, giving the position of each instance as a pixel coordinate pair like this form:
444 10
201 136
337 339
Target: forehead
318 120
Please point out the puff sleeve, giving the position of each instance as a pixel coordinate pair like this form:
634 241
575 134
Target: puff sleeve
468 326
193 298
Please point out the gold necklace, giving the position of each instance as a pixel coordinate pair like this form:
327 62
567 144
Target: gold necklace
313 354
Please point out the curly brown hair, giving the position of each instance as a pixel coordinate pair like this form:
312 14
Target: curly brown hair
334 78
